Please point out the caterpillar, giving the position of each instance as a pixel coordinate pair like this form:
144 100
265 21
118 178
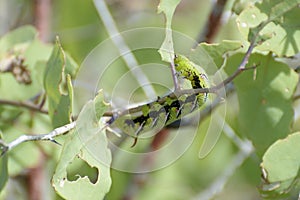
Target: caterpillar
169 108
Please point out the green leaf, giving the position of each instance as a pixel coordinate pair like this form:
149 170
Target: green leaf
20 36
37 54
265 99
71 66
167 48
3 171
250 18
23 43
58 88
276 8
219 51
239 5
100 105
89 142
277 23
281 164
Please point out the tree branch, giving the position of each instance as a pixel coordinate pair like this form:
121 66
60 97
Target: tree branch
48 136
23 104
213 23
64 129
242 67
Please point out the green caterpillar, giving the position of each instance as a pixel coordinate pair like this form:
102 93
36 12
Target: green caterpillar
167 109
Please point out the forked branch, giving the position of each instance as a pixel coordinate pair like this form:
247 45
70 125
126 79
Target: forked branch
66 128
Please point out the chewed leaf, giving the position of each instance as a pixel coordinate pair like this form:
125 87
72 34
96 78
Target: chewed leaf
168 8
280 166
276 23
58 88
20 36
100 105
219 51
89 142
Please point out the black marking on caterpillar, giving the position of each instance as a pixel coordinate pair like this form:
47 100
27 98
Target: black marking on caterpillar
158 113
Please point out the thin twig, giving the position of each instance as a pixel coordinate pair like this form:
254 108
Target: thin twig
101 6
175 80
62 130
48 136
138 181
208 109
242 67
23 104
296 97
122 47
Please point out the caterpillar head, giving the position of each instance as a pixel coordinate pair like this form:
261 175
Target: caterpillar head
181 62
